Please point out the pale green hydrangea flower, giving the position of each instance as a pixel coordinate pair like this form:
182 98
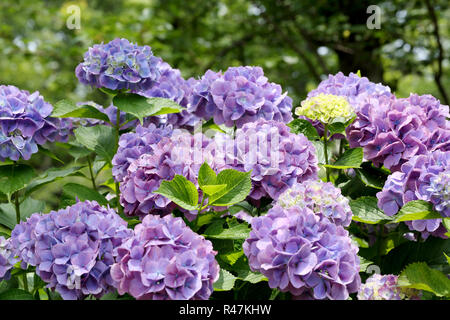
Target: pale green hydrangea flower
325 108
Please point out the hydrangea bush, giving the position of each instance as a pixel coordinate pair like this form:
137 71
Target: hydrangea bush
221 186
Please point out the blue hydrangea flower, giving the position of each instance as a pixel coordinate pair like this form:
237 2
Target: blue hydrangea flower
303 253
25 123
119 65
72 248
165 260
385 287
7 258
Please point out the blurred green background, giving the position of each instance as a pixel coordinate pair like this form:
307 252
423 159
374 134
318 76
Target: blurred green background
296 42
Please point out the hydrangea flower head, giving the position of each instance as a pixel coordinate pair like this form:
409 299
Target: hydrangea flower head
303 253
322 198
165 260
325 108
25 123
72 248
119 65
240 95
384 287
423 177
7 258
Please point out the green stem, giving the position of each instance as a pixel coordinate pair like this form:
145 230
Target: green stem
325 137
92 174
119 207
17 207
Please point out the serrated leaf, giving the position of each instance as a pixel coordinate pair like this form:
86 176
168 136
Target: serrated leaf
231 257
181 191
365 209
68 109
420 276
75 190
238 187
49 176
213 189
15 177
244 273
336 127
371 176
304 127
27 208
416 210
352 158
142 107
16 294
217 231
101 139
206 175
225 282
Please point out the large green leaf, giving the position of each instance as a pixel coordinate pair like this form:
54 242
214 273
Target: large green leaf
244 273
416 210
206 175
181 191
238 186
217 231
16 294
101 139
420 276
304 127
352 158
225 282
27 208
82 193
68 109
371 176
336 127
49 176
365 209
15 177
142 107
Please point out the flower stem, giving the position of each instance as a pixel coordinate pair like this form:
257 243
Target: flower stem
119 207
92 174
325 136
17 207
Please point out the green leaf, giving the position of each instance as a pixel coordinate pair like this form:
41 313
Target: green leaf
68 109
447 257
49 176
101 139
217 231
352 158
213 189
320 152
181 191
50 154
231 257
336 127
206 175
27 208
15 177
16 294
142 107
305 127
75 190
371 176
225 282
238 187
365 209
420 276
416 210
244 273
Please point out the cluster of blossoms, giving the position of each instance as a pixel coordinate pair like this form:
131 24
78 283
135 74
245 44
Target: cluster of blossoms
392 130
182 154
7 258
303 253
239 96
119 65
423 177
385 287
72 248
323 198
325 108
277 157
165 259
25 123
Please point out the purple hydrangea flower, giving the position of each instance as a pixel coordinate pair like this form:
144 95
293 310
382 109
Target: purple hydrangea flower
23 239
322 198
303 253
165 260
119 65
241 95
181 154
26 123
72 248
423 177
132 145
385 287
7 258
392 130
277 157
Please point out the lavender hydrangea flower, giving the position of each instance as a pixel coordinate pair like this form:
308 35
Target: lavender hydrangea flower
181 154
26 123
23 239
132 145
72 248
423 177
303 253
241 95
119 65
165 260
392 130
385 287
322 198
277 157
7 258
